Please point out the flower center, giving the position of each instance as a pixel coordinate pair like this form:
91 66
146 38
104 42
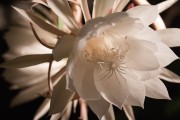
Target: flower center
101 52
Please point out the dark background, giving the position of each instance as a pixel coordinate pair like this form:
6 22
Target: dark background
154 109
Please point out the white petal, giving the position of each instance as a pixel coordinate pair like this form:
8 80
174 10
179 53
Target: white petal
110 114
19 27
90 29
170 36
145 43
165 55
60 97
25 77
85 9
146 75
29 93
46 37
119 23
146 13
143 37
56 116
69 83
169 76
119 5
28 60
124 25
159 23
75 104
63 10
140 57
111 85
99 107
63 47
20 80
21 41
147 34
165 5
136 92
122 20
41 23
83 81
67 112
43 109
129 112
102 8
155 88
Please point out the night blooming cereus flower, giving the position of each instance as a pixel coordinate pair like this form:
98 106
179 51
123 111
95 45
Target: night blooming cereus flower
117 59
114 59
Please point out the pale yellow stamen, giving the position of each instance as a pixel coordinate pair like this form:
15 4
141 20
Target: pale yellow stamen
98 52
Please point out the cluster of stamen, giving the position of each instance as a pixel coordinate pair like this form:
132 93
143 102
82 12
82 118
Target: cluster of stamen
109 59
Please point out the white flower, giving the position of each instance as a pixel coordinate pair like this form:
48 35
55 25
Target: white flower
116 59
